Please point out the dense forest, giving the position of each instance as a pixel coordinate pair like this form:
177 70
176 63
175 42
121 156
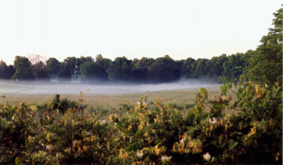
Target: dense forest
263 64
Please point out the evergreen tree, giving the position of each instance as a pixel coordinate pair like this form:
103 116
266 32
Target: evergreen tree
266 64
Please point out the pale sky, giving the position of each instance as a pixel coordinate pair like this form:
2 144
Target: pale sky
132 28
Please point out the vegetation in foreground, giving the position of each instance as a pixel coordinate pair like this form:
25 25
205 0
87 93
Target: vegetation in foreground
65 132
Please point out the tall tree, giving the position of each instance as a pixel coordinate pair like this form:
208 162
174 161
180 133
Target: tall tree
6 72
79 62
64 73
22 67
235 65
120 69
87 71
187 68
103 64
215 66
164 69
266 64
83 59
71 64
140 69
95 70
53 67
200 68
40 72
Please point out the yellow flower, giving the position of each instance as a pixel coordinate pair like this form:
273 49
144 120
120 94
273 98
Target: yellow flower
80 149
140 127
123 154
33 108
67 150
146 134
253 131
30 138
85 148
156 150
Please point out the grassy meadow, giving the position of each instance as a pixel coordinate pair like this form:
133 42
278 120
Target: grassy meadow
184 96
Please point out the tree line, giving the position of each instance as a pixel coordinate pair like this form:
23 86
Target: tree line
263 65
162 69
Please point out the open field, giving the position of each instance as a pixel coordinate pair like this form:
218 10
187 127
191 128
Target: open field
104 94
178 96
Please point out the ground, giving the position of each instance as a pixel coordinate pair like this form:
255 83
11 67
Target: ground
184 96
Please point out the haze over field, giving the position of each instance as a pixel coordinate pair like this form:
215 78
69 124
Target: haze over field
8 87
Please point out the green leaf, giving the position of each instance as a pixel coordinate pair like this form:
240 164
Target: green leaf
240 133
232 144
218 106
204 92
198 108
225 88
213 143
191 118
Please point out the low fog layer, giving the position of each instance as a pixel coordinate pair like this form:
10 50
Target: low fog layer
10 87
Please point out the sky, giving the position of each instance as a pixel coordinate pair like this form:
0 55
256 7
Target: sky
132 28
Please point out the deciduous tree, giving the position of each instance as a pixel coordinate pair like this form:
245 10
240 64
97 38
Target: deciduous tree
6 72
22 67
53 67
164 69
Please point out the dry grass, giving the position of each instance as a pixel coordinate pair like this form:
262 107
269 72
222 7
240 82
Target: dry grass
185 96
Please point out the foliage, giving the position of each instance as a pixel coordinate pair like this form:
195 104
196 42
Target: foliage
63 105
236 65
6 72
95 70
187 67
71 64
39 71
266 65
140 69
163 69
53 67
201 68
64 73
149 133
120 69
22 67
215 66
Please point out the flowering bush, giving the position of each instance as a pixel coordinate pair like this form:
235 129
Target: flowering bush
157 133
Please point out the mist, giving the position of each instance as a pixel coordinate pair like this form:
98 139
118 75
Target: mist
75 87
